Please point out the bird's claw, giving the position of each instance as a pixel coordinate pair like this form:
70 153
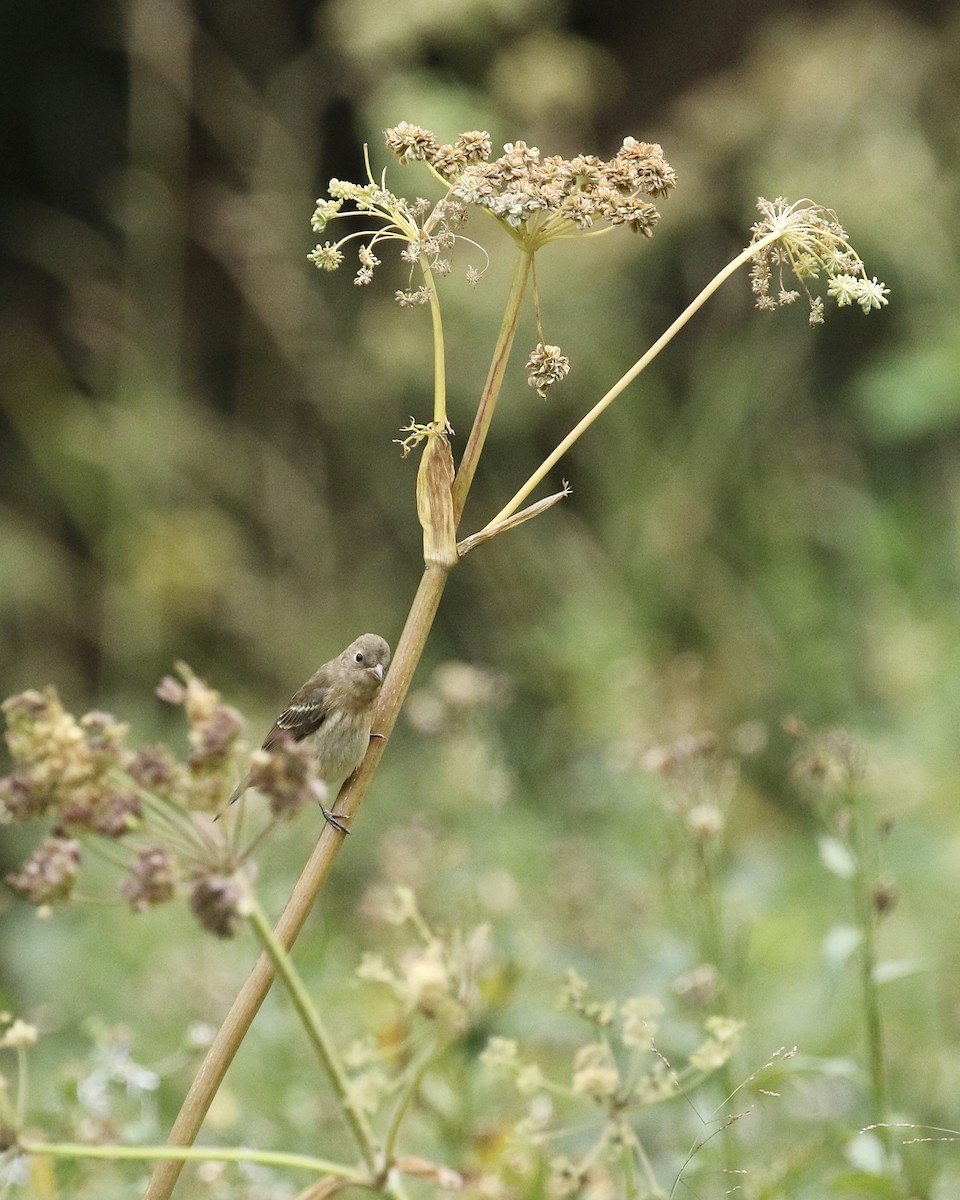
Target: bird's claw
335 819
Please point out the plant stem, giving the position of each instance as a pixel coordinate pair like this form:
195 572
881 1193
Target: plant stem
321 1040
410 1090
866 919
491 389
625 380
247 1003
265 1158
439 358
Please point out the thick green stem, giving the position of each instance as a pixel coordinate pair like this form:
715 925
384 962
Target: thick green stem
410 1090
245 1007
491 389
265 1158
322 1042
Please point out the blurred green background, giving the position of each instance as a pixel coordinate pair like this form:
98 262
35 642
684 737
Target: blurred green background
197 463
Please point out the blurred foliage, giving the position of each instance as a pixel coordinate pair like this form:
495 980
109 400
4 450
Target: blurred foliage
197 463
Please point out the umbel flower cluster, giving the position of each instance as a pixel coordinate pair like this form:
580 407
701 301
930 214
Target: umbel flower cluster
141 808
536 198
810 241
618 1071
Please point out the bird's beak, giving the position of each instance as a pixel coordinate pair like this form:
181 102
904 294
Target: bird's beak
378 671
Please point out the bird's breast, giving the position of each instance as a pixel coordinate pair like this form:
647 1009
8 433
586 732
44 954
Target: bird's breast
340 743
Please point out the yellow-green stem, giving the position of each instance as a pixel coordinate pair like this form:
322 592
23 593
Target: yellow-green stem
605 401
439 359
491 389
265 1158
403 1104
247 1003
322 1042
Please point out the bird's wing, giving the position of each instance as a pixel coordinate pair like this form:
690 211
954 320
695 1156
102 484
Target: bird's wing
300 718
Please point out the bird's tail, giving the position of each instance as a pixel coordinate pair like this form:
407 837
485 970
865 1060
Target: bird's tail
235 795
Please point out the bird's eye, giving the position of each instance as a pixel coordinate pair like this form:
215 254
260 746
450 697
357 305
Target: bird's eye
358 657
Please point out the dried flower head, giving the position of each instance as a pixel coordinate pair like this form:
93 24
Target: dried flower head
152 880
541 198
830 766
215 901
59 762
81 778
545 367
285 773
48 875
535 198
699 986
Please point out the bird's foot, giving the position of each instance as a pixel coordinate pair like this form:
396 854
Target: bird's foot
335 819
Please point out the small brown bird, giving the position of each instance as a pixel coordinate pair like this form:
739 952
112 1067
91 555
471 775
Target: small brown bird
333 712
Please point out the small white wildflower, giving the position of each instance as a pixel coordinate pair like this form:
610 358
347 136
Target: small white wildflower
373 969
402 906
873 294
19 1035
705 820
529 1079
661 1082
367 257
325 211
710 1055
716 1050
574 989
366 1092
724 1029
500 1052
639 1025
410 298
594 1072
566 1178
845 289
360 1052
326 257
426 980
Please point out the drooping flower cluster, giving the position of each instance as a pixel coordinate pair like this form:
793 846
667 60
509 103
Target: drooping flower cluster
81 778
546 366
807 240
